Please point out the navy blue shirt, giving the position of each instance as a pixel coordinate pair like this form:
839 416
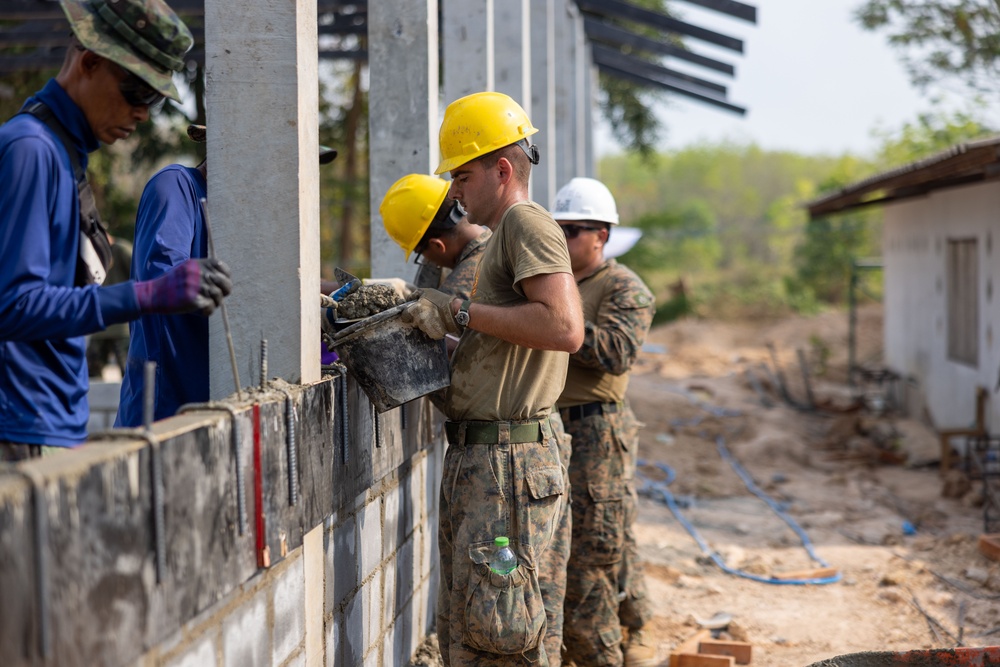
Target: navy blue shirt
169 229
43 318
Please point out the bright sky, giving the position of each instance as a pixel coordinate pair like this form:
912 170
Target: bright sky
812 80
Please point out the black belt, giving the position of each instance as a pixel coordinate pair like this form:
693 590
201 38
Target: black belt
488 433
578 412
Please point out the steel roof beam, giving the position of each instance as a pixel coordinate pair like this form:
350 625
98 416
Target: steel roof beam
606 32
731 7
624 10
610 55
627 71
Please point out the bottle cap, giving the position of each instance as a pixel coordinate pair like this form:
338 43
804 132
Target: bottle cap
501 541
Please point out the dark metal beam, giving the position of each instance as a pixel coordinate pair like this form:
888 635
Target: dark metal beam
615 57
730 7
598 30
54 58
678 87
624 10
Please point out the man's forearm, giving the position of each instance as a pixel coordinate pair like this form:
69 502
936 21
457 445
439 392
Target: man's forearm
533 325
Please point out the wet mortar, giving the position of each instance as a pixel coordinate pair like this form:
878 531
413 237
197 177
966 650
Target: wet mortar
366 301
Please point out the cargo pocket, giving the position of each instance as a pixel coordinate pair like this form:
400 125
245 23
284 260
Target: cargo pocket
611 636
604 533
546 486
504 613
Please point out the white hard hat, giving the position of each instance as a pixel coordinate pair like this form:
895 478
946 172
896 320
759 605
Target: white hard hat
585 199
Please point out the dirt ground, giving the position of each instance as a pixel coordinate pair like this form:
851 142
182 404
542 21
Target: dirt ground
862 486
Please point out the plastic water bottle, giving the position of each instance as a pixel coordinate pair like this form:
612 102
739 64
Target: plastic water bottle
503 560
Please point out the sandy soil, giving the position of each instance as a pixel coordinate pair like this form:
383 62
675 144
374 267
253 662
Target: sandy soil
845 474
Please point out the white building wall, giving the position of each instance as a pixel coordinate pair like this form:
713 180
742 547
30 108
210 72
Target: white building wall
915 241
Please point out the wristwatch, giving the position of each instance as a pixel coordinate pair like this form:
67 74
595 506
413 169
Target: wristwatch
462 316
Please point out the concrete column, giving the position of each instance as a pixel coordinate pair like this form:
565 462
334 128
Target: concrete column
468 35
581 52
262 99
402 108
565 90
543 99
513 48
592 82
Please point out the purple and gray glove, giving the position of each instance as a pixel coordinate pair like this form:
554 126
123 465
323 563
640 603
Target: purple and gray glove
194 285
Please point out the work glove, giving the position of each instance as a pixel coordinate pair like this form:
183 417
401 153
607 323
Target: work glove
403 288
430 311
194 285
328 315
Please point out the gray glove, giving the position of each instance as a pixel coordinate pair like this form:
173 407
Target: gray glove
431 313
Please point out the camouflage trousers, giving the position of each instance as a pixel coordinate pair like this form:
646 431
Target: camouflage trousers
511 489
604 584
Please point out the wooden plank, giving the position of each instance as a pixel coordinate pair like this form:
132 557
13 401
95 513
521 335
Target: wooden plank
740 651
989 546
703 660
815 573
689 645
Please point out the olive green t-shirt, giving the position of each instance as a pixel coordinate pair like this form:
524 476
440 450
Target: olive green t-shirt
491 379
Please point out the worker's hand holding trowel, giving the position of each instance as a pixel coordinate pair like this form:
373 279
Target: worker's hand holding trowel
431 313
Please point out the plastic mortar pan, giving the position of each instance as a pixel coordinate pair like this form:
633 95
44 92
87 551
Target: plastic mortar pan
393 362
942 657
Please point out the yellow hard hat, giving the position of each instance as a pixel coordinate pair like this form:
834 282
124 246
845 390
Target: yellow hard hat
409 207
478 124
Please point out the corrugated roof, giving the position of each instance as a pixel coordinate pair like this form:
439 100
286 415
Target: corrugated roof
959 165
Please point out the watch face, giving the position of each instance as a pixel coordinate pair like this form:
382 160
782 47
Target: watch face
462 317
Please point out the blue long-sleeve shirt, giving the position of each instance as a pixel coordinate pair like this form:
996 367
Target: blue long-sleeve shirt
169 229
43 317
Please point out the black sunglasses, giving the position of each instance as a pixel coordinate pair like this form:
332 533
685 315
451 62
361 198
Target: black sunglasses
454 217
138 93
572 231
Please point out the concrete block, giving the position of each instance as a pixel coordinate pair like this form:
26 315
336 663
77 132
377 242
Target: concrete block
246 638
415 489
388 649
289 610
333 634
341 554
312 564
371 594
400 642
202 654
354 631
388 575
404 574
370 533
391 527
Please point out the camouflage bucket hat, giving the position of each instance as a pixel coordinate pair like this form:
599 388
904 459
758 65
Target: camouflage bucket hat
145 37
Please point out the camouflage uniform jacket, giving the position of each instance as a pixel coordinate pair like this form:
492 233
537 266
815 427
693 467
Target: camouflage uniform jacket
618 310
460 279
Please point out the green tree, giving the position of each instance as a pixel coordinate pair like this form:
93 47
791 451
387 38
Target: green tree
941 41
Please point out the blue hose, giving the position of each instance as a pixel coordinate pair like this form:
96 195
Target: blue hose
651 487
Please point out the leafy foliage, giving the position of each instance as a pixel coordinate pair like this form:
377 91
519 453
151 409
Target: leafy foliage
941 41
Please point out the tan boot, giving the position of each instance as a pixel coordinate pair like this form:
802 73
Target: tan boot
640 650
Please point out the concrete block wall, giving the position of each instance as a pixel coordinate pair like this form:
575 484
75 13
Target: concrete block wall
344 576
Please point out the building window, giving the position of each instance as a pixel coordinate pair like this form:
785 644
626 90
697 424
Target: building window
963 301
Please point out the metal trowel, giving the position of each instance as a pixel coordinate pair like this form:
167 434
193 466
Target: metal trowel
348 284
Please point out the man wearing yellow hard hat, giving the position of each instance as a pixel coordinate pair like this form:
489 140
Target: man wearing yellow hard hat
503 475
421 218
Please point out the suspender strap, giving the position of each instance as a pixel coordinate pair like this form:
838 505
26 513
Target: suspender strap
95 248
